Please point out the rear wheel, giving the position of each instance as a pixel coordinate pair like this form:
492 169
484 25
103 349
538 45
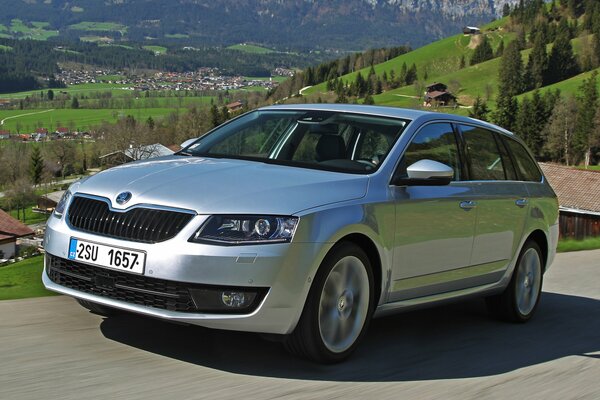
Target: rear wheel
519 300
97 308
338 309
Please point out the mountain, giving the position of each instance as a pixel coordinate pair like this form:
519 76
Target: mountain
282 24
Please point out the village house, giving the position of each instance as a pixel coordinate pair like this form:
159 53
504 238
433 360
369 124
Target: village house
578 194
47 203
62 131
4 134
437 94
134 153
235 106
471 30
10 231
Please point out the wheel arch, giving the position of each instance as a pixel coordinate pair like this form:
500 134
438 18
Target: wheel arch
369 247
540 238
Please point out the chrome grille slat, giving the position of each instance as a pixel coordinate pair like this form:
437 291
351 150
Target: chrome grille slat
146 225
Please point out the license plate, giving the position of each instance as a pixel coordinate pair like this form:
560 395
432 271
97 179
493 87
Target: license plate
107 256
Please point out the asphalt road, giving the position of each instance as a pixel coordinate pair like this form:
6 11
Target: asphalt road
50 348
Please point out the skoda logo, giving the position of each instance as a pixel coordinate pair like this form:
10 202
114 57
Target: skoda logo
123 198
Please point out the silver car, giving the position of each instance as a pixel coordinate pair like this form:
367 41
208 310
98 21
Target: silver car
303 222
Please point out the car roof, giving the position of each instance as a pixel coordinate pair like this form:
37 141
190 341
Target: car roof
392 112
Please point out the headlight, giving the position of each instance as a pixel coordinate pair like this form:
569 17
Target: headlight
238 229
60 208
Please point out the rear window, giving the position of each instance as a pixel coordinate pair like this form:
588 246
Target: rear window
486 161
526 166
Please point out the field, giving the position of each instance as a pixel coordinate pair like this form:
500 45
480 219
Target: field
96 39
34 30
156 49
177 36
250 48
80 119
23 280
99 26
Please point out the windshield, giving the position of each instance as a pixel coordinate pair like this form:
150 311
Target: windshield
328 140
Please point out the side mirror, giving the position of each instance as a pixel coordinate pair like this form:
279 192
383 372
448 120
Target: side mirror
426 173
188 142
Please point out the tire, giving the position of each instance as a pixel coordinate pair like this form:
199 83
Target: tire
338 309
97 308
520 299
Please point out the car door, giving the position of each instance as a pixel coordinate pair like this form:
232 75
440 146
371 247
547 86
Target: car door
435 225
501 199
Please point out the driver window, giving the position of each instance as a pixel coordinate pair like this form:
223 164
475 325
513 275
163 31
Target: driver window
435 142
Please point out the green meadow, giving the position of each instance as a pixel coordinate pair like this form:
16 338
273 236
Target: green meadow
250 48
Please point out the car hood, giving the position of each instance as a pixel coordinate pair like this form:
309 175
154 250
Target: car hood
223 186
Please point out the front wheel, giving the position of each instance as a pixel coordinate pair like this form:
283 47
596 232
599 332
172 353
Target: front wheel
338 309
520 299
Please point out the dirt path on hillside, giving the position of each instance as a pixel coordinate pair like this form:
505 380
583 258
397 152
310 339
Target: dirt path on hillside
23 115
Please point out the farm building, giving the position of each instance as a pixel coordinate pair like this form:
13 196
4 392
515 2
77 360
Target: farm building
578 194
4 134
45 204
471 30
11 230
134 153
437 94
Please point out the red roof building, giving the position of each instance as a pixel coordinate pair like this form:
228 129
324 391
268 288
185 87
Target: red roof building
10 230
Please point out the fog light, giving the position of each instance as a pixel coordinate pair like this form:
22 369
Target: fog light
228 300
234 299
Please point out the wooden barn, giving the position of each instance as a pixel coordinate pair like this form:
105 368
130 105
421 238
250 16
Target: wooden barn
578 194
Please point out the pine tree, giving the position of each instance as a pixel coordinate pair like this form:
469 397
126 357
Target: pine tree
525 124
369 100
506 10
411 75
537 66
510 84
50 94
361 85
462 62
479 110
75 103
500 49
561 63
36 166
483 52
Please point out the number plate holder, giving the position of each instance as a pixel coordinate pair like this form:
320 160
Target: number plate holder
112 257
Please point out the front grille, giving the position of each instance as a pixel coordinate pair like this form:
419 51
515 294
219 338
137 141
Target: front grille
136 289
139 289
144 225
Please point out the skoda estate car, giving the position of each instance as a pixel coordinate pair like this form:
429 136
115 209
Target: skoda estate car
303 222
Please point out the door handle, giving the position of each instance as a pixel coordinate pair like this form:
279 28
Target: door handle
521 202
467 205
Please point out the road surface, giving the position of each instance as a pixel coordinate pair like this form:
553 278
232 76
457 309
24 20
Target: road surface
50 348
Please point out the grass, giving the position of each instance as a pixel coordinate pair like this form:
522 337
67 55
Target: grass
5 48
570 85
23 280
99 27
589 168
156 49
35 30
30 216
250 48
566 245
177 36
96 39
80 119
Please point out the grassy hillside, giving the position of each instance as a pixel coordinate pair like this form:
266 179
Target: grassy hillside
438 59
250 48
441 60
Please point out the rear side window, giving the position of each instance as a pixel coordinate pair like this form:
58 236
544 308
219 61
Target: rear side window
486 161
526 165
433 142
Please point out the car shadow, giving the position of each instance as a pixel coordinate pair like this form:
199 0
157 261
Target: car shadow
449 342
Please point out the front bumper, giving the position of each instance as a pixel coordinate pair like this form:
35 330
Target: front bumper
283 271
